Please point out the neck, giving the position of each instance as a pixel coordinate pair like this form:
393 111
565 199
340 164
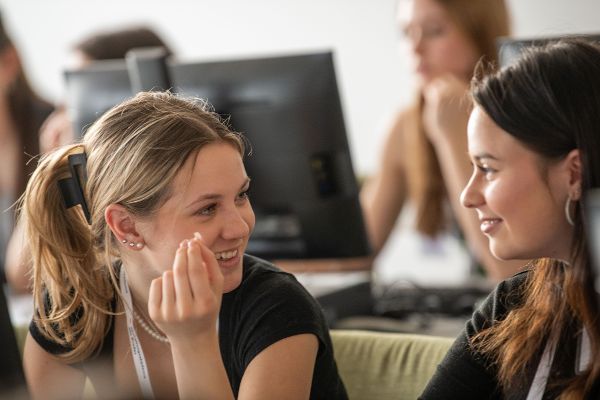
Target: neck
139 285
138 288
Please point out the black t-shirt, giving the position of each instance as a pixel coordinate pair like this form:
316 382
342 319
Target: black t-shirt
465 374
269 305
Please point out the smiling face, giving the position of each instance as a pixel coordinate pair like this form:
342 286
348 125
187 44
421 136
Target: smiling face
209 196
518 196
438 45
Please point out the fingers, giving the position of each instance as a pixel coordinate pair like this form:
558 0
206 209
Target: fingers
195 274
215 275
183 291
198 276
155 298
168 294
185 301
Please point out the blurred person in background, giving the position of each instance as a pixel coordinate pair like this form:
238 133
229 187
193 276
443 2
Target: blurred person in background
424 161
22 112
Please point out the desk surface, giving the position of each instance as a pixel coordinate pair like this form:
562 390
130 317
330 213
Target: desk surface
326 265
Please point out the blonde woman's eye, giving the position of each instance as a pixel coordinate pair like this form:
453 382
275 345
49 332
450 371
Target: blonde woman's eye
244 195
209 210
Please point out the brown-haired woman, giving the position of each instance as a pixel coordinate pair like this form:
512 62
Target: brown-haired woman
22 112
424 158
142 284
534 141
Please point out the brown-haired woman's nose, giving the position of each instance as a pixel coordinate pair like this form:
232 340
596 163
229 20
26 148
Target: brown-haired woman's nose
471 196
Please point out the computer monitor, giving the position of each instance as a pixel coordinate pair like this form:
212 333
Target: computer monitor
509 48
304 190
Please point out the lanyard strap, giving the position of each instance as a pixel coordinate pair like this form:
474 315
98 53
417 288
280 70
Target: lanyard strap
139 360
538 386
585 353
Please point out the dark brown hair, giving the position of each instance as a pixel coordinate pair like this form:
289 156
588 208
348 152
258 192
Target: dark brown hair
109 45
28 111
549 101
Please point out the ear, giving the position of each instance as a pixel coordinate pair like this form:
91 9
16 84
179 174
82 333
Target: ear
122 225
572 164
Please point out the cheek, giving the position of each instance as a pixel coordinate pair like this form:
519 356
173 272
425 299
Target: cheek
249 217
520 202
455 55
495 197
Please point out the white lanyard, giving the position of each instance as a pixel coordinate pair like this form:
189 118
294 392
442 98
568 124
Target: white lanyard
585 352
136 348
538 386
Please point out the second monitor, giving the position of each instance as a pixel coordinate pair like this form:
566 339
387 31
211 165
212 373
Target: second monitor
304 189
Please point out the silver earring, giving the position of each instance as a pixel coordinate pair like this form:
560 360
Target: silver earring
568 211
124 241
131 244
139 245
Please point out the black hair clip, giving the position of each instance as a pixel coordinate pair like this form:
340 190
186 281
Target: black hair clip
72 187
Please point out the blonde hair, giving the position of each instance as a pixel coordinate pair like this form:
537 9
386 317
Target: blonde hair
481 21
134 151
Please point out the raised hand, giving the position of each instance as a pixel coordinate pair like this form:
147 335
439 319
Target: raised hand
446 111
185 301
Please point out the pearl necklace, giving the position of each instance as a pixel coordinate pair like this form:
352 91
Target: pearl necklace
148 328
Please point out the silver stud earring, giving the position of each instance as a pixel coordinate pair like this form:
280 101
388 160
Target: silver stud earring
124 241
131 244
139 245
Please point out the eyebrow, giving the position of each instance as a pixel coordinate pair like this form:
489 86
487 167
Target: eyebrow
215 196
484 156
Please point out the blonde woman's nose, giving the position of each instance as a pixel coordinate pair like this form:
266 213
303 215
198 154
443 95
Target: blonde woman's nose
235 226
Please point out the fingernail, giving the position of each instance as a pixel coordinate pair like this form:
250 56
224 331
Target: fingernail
197 235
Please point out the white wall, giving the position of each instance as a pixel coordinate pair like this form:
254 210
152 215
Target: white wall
373 70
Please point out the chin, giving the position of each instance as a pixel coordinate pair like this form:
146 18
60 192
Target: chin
232 281
507 254
501 253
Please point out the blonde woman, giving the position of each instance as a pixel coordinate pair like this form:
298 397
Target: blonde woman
424 161
141 282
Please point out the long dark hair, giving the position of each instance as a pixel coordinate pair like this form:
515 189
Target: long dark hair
28 111
550 101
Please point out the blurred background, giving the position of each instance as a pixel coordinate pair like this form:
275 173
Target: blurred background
372 65
372 62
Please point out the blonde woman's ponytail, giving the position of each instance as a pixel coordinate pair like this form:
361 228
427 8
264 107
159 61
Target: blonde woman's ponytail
65 266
